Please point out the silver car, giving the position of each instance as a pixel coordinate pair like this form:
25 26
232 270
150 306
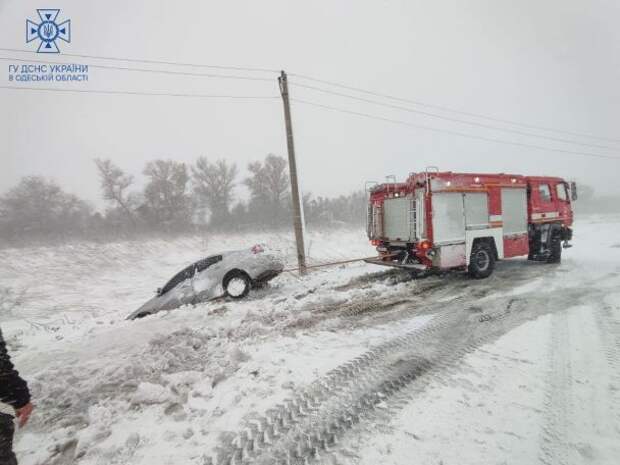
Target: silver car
230 274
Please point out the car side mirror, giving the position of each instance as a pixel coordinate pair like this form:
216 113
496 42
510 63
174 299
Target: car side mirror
573 190
158 291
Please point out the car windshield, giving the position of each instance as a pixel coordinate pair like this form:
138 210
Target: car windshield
189 272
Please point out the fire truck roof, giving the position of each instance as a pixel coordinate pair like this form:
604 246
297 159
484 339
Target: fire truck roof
469 178
545 178
461 180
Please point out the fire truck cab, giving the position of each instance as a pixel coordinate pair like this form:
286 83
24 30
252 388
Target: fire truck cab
444 220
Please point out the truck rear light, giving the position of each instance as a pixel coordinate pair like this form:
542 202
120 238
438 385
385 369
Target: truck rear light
425 245
375 242
258 249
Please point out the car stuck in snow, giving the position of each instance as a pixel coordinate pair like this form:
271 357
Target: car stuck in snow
231 274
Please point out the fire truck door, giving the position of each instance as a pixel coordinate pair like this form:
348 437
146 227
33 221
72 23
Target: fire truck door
544 208
563 202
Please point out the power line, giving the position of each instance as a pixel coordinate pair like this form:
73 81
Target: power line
448 109
145 70
255 97
454 133
448 118
156 94
331 83
154 62
302 76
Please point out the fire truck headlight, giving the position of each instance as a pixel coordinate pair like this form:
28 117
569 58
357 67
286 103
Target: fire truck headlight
448 183
476 179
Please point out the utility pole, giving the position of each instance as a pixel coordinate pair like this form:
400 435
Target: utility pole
292 165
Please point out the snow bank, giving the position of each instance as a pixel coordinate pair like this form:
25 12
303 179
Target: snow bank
167 388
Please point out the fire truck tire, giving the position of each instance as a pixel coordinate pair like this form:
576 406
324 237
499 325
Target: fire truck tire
555 250
482 260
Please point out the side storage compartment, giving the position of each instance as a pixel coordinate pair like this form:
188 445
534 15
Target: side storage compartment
399 219
514 218
448 218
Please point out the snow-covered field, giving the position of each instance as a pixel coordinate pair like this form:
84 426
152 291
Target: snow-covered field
352 364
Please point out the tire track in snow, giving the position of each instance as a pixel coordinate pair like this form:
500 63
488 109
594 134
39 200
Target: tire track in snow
310 423
336 391
609 330
555 444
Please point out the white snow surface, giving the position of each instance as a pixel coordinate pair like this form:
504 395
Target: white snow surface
166 389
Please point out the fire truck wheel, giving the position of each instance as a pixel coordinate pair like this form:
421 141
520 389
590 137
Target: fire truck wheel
482 261
555 249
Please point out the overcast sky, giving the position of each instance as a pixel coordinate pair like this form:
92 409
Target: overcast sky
553 63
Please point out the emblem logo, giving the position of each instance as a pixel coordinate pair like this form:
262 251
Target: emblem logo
48 31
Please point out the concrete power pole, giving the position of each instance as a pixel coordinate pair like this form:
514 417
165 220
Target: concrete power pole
292 165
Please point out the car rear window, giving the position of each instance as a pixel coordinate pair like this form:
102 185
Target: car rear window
207 262
190 271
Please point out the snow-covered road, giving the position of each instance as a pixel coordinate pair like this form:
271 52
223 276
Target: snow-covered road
348 365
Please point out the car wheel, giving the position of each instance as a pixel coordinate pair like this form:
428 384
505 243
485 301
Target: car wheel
482 261
237 285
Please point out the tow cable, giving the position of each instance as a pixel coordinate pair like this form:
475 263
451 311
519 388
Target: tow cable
322 265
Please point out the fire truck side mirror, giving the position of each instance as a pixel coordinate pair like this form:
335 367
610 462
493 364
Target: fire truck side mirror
573 190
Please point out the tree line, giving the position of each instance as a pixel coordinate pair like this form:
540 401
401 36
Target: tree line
176 198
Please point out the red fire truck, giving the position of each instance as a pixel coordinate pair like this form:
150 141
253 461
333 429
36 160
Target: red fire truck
443 220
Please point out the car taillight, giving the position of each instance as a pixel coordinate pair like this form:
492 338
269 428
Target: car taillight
258 249
375 242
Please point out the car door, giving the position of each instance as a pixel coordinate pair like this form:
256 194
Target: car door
207 279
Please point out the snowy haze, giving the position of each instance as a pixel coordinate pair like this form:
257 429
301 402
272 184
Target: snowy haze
554 63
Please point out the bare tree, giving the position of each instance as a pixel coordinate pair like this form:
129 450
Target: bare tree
213 184
269 187
166 201
38 207
345 209
114 184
